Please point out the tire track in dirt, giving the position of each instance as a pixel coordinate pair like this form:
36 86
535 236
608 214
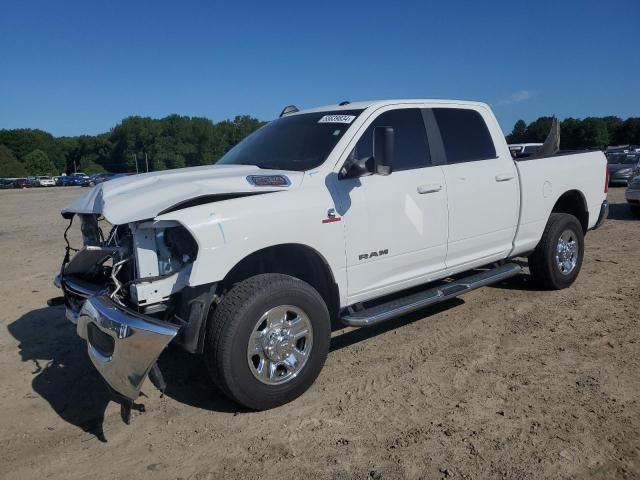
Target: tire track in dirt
426 339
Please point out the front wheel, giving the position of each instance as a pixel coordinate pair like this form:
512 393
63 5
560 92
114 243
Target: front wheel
268 340
556 261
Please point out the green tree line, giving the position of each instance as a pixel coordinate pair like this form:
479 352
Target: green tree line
578 134
178 141
171 142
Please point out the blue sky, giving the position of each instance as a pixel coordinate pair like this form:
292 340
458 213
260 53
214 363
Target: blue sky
79 67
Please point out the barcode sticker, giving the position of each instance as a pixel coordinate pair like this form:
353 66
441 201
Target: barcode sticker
337 119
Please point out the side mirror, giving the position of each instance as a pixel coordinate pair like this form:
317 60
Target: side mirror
356 168
383 150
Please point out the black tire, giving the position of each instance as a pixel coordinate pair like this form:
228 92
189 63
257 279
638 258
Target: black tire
231 327
635 210
543 266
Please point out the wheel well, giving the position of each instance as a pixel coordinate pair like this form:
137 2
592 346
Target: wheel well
296 260
573 202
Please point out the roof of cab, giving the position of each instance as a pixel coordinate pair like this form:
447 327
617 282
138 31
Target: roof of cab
361 105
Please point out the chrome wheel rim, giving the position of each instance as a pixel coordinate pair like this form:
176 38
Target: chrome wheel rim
567 252
280 344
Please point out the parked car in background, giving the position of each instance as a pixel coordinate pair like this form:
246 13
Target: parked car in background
633 195
65 181
78 178
96 179
522 150
22 183
622 167
44 181
623 149
89 182
6 183
103 177
78 181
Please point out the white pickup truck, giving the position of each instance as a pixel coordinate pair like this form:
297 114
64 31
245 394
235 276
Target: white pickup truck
347 215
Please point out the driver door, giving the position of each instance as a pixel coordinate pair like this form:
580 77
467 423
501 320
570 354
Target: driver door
395 225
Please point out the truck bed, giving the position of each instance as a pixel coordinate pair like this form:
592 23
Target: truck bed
544 179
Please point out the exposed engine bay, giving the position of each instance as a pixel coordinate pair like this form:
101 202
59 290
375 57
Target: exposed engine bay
128 294
140 266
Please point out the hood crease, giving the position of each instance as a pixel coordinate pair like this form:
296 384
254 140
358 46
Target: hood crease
145 196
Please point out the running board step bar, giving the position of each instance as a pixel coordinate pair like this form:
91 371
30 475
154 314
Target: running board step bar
416 301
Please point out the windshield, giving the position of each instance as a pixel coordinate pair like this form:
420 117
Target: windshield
295 142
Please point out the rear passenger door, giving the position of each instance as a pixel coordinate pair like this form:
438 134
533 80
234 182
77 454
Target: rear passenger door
482 186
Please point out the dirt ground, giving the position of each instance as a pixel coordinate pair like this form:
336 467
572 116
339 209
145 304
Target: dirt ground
506 382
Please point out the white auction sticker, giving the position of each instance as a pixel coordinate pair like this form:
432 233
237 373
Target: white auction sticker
337 119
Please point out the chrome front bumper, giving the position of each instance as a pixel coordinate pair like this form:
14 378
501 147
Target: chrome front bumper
123 345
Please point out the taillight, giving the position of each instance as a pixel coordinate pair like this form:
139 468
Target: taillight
606 177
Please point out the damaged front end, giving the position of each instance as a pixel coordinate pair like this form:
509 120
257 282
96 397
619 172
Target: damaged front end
127 294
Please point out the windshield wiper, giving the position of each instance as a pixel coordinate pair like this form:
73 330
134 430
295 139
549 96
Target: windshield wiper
270 166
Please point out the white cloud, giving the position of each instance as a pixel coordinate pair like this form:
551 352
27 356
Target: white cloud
517 97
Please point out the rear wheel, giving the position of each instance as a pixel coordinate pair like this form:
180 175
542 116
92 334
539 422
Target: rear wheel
268 340
556 261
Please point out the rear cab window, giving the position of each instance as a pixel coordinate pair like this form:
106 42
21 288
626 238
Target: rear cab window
531 149
464 134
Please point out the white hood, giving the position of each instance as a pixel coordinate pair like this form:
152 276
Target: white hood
144 196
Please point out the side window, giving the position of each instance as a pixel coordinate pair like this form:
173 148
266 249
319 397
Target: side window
410 139
464 134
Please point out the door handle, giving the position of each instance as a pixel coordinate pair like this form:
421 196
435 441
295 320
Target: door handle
504 177
431 188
